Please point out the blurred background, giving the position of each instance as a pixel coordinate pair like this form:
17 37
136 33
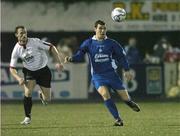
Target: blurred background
150 35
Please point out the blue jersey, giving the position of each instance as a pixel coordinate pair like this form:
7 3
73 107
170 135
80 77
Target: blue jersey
103 55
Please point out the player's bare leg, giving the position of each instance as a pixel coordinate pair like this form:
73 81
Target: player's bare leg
45 94
126 98
28 88
104 92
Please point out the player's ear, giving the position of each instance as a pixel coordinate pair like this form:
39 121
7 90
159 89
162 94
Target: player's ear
15 34
95 29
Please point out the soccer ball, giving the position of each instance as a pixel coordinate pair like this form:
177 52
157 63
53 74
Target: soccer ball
118 14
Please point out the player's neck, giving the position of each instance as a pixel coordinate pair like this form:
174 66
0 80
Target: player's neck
23 44
100 38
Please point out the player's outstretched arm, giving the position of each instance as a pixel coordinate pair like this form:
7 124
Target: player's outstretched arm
79 55
59 59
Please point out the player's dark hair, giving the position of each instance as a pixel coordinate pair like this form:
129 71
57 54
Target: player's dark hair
17 27
100 22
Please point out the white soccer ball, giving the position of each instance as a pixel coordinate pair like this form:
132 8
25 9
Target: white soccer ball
118 14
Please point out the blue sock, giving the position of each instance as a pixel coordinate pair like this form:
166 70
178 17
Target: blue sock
112 108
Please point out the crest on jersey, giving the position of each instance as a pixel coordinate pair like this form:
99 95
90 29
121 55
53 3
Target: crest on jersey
101 48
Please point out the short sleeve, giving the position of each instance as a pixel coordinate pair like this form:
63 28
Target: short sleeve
44 45
14 58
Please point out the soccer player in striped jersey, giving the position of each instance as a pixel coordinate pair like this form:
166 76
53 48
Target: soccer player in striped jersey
32 52
104 53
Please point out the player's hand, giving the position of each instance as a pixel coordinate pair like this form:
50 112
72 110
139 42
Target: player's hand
21 81
67 59
59 67
128 75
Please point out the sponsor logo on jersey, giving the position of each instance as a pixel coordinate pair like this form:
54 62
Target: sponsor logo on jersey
101 57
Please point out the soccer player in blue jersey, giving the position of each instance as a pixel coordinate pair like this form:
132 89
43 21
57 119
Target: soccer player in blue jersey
104 53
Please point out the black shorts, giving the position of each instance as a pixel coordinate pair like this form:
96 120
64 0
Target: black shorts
42 76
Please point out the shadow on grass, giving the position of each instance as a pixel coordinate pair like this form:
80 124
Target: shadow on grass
174 125
18 126
27 127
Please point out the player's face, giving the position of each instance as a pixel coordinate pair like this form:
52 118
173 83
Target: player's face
100 32
21 36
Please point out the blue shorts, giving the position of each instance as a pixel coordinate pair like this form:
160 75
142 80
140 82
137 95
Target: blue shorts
111 80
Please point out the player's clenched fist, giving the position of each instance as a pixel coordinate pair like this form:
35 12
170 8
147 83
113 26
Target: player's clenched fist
128 75
67 59
59 67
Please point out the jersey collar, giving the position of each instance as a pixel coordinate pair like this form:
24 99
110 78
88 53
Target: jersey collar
24 46
94 37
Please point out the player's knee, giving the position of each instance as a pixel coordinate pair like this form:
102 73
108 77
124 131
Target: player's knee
47 98
28 94
105 96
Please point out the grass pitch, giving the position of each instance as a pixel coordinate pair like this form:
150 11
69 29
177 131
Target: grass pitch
92 119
